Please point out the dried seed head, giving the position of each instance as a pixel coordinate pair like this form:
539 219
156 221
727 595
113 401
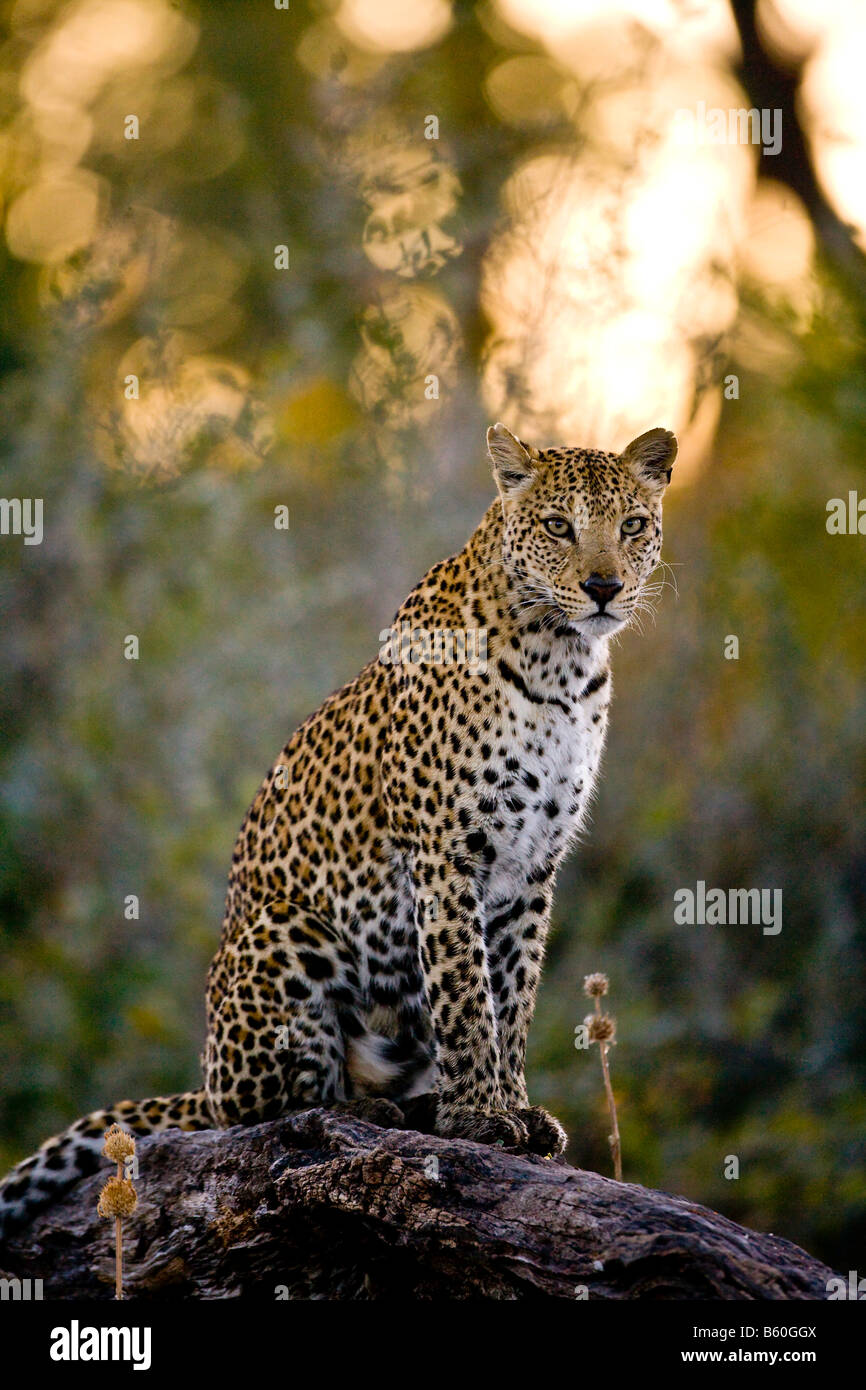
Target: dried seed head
118 1144
601 1028
117 1198
595 985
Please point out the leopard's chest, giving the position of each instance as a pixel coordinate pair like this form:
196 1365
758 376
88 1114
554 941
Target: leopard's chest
536 785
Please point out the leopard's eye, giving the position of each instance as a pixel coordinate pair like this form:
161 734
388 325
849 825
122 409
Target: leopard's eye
558 526
633 525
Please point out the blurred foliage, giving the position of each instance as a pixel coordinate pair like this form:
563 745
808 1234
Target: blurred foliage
308 388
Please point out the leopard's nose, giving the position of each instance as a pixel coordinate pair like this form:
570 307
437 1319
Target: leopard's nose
600 589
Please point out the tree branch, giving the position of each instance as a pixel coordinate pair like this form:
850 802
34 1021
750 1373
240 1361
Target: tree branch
322 1205
771 85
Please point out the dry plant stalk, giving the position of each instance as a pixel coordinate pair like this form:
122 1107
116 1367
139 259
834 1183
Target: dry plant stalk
118 1197
602 1029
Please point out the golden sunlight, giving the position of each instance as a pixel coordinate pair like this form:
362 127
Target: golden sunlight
392 25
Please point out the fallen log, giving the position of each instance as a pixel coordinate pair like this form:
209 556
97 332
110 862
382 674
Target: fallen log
325 1205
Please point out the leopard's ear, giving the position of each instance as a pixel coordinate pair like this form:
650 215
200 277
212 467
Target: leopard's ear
651 456
515 464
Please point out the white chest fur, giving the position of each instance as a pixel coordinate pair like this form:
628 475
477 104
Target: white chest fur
536 785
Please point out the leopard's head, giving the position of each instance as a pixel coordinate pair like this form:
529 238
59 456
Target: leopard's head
582 530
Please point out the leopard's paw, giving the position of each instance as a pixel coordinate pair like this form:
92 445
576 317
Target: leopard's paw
376 1109
482 1126
546 1135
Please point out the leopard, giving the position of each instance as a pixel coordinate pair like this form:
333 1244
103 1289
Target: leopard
391 887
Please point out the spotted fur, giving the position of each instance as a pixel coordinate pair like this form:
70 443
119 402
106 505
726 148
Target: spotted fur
391 886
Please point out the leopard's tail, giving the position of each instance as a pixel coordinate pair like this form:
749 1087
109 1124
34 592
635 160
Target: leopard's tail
77 1152
400 1068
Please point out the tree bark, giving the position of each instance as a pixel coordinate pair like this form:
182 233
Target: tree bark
772 84
324 1205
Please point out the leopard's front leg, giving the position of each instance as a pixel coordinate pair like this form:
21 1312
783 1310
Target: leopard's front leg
471 1102
515 936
